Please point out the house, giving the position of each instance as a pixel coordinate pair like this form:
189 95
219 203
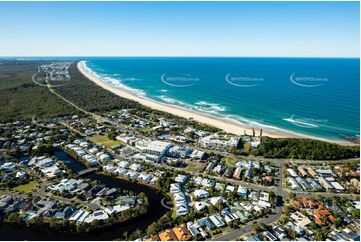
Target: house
292 172
5 200
264 204
79 216
337 186
175 188
51 171
321 214
67 212
144 177
104 157
325 183
303 183
215 200
302 170
182 209
300 219
182 233
208 183
326 173
198 154
279 232
214 141
264 196
156 148
237 173
20 174
304 203
294 184
179 152
200 193
228 217
123 164
198 180
219 186
195 229
311 171
228 172
93 150
97 215
132 175
242 191
153 238
109 168
314 185
179 197
253 238
8 166
217 220
230 188
269 236
206 222
299 230
218 169
168 235
181 178
200 206
135 167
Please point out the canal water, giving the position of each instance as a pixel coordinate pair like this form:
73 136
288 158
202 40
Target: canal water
155 212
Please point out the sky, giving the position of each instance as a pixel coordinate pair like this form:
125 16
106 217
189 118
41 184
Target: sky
244 29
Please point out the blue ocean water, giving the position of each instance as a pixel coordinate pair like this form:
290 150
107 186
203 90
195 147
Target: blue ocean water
313 96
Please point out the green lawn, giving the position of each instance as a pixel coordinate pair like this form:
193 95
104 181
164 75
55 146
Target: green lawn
229 161
145 130
247 147
26 188
195 166
104 140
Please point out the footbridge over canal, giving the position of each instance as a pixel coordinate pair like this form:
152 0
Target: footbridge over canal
86 171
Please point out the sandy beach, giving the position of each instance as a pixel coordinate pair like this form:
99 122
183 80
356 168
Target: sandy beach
226 125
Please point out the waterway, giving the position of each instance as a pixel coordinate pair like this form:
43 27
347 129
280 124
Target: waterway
155 211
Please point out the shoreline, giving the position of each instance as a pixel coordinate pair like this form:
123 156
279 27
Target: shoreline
228 126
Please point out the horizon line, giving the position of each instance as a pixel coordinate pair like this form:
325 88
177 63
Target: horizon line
190 56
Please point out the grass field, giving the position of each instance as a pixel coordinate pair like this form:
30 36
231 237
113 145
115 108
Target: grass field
145 130
246 147
195 166
229 161
104 140
26 188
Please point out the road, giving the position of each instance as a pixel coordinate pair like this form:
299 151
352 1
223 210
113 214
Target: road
272 218
236 233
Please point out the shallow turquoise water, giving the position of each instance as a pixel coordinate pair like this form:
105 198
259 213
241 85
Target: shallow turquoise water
317 97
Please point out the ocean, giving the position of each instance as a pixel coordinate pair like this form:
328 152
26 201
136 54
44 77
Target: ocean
312 96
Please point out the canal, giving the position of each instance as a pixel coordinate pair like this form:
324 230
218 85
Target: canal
155 211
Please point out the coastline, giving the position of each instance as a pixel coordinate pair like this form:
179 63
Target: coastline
228 126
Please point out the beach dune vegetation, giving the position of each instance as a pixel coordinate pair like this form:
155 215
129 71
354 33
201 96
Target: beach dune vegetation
304 149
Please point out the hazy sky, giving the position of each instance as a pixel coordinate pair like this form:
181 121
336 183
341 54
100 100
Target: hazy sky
315 29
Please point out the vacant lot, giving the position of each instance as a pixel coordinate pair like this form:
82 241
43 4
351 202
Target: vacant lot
229 161
26 188
195 166
104 140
